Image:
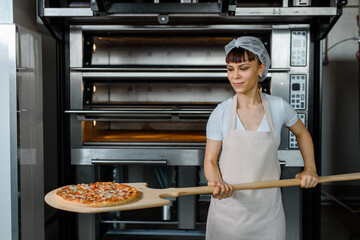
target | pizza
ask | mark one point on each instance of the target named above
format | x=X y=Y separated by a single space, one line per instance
x=99 y=194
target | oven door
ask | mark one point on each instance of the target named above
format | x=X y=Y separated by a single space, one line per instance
x=126 y=120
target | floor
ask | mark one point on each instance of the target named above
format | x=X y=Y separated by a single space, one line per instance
x=337 y=223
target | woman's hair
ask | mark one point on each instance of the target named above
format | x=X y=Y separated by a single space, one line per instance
x=239 y=55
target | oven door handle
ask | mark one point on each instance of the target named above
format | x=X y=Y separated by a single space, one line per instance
x=99 y=161
x=279 y=70
x=147 y=111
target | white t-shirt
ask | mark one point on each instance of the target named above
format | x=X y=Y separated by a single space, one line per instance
x=282 y=112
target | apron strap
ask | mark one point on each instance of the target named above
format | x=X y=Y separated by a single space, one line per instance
x=232 y=114
x=268 y=115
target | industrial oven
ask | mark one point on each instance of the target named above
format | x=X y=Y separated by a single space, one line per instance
x=139 y=105
x=138 y=85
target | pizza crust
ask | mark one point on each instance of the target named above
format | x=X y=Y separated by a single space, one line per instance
x=105 y=203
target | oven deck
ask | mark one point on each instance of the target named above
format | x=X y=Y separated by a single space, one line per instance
x=154 y=136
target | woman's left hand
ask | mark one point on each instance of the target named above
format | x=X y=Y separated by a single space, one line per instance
x=309 y=178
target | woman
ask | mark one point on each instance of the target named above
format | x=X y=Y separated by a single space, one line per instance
x=247 y=127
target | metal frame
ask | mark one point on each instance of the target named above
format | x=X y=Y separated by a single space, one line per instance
x=286 y=11
x=239 y=12
x=225 y=11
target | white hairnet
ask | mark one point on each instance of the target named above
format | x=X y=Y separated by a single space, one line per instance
x=253 y=45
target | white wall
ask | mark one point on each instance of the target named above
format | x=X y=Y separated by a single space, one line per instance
x=340 y=128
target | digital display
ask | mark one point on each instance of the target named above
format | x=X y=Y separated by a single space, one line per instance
x=295 y=87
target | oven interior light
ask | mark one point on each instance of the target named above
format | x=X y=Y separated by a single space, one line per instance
x=94 y=89
x=94 y=123
x=94 y=47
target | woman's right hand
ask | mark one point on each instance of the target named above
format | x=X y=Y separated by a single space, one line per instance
x=222 y=190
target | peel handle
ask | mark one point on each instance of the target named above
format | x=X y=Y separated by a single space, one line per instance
x=176 y=192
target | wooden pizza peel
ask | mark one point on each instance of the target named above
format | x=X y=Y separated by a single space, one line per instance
x=150 y=197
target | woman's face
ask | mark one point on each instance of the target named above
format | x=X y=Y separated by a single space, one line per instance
x=244 y=76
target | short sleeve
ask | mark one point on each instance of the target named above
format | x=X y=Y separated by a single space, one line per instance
x=290 y=115
x=213 y=127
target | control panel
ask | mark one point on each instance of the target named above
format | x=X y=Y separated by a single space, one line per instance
x=298 y=91
x=298 y=48
x=292 y=138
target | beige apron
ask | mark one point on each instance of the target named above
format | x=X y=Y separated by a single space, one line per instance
x=248 y=156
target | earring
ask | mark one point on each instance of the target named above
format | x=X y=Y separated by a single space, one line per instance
x=260 y=76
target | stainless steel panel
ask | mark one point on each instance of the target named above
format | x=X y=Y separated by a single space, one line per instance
x=76 y=132
x=269 y=11
x=68 y=12
x=187 y=204
x=187 y=28
x=76 y=47
x=76 y=90
x=156 y=75
x=140 y=69
x=137 y=111
x=292 y=158
x=160 y=155
x=292 y=205
x=29 y=85
x=174 y=157
x=86 y=223
x=128 y=161
x=280 y=85
x=280 y=47
x=286 y=11
x=9 y=225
